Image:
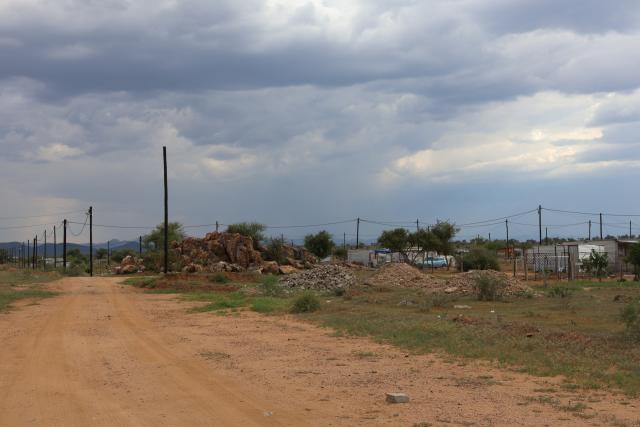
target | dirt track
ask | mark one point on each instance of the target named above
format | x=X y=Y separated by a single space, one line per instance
x=107 y=354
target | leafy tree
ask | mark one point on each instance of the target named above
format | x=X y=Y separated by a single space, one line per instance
x=596 y=264
x=444 y=232
x=101 y=253
x=396 y=240
x=480 y=258
x=319 y=244
x=119 y=254
x=633 y=258
x=4 y=256
x=255 y=230
x=154 y=241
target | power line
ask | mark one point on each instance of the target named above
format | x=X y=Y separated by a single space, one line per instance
x=591 y=213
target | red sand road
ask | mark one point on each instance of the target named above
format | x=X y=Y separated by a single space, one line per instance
x=106 y=354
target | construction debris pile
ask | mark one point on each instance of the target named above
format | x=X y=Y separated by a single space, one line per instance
x=465 y=283
x=400 y=275
x=321 y=278
x=405 y=276
x=235 y=252
x=130 y=265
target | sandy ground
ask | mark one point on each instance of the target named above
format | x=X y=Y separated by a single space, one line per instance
x=106 y=354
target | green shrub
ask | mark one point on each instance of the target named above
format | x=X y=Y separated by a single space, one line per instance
x=319 y=244
x=339 y=292
x=306 y=302
x=254 y=230
x=271 y=287
x=560 y=292
x=340 y=252
x=436 y=300
x=480 y=259
x=219 y=278
x=275 y=251
x=631 y=317
x=489 y=288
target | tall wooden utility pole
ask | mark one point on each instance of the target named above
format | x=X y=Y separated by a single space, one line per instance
x=91 y=241
x=166 y=213
x=358 y=233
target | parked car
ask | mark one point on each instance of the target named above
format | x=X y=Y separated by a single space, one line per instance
x=435 y=262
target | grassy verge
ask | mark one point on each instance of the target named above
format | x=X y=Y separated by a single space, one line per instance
x=579 y=336
x=574 y=330
x=23 y=284
x=219 y=294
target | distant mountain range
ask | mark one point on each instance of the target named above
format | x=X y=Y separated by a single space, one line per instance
x=84 y=248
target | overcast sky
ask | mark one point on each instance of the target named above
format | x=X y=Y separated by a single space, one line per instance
x=305 y=112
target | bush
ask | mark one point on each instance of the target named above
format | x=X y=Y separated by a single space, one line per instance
x=631 y=317
x=306 y=302
x=319 y=244
x=119 y=254
x=340 y=252
x=559 y=292
x=275 y=251
x=436 y=300
x=271 y=287
x=480 y=259
x=489 y=288
x=254 y=230
x=219 y=278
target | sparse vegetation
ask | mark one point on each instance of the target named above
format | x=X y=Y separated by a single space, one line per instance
x=631 y=317
x=271 y=287
x=255 y=230
x=274 y=251
x=489 y=288
x=307 y=302
x=23 y=284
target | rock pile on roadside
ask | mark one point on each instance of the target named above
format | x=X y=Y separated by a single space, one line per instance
x=401 y=275
x=321 y=278
x=130 y=265
x=221 y=251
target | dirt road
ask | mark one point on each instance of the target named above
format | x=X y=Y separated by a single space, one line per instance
x=102 y=353
x=89 y=357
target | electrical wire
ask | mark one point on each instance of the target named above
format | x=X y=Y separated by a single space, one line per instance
x=590 y=213
x=81 y=230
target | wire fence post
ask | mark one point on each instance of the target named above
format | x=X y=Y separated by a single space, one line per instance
x=55 y=249
x=64 y=245
x=34 y=266
x=44 y=259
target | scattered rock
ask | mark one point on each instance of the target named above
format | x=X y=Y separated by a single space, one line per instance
x=623 y=298
x=322 y=278
x=397 y=398
x=450 y=290
x=130 y=265
x=462 y=306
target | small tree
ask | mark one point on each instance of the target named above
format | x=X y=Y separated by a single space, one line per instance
x=275 y=251
x=254 y=230
x=101 y=253
x=596 y=264
x=319 y=244
x=444 y=233
x=4 y=256
x=633 y=258
x=480 y=259
x=340 y=252
x=154 y=241
x=119 y=254
x=396 y=240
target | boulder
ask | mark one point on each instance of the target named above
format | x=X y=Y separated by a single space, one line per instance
x=270 y=267
x=287 y=269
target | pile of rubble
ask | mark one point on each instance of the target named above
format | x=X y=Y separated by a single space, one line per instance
x=465 y=283
x=130 y=265
x=405 y=276
x=235 y=252
x=401 y=275
x=321 y=278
